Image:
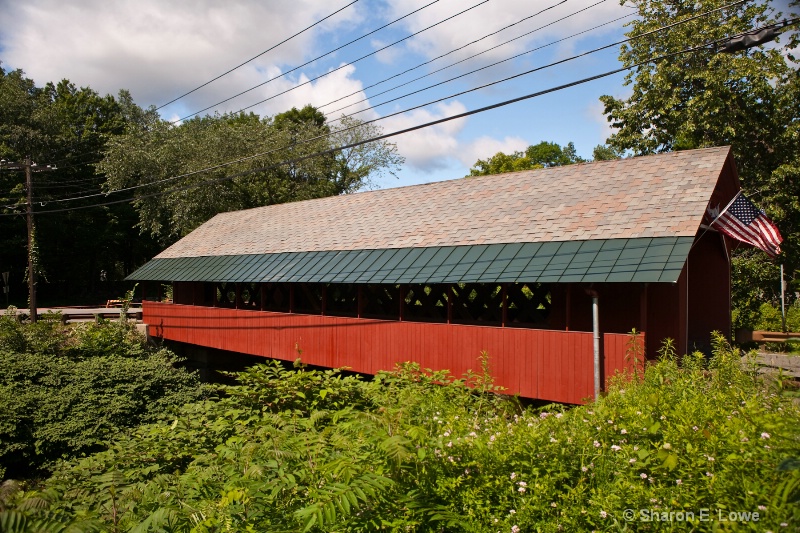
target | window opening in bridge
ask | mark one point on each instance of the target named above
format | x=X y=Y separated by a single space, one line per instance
x=226 y=294
x=528 y=304
x=380 y=301
x=426 y=303
x=475 y=303
x=341 y=299
x=276 y=297
x=250 y=296
x=308 y=298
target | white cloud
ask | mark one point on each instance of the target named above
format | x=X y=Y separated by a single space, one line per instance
x=497 y=14
x=389 y=55
x=484 y=147
x=338 y=83
x=594 y=112
x=158 y=50
x=430 y=148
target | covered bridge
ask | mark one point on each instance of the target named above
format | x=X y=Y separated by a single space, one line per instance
x=508 y=264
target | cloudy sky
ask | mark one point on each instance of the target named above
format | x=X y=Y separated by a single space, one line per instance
x=159 y=50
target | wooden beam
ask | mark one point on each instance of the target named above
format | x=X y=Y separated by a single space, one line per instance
x=504 y=303
x=450 y=295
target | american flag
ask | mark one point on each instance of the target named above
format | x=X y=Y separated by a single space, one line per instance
x=745 y=222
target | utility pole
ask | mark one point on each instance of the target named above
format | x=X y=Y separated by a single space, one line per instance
x=31 y=241
x=29 y=168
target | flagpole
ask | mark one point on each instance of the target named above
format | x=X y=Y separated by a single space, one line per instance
x=716 y=218
x=783 y=301
x=724 y=210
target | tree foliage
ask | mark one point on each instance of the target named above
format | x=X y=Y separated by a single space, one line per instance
x=415 y=450
x=66 y=126
x=603 y=152
x=542 y=155
x=747 y=100
x=66 y=391
x=182 y=175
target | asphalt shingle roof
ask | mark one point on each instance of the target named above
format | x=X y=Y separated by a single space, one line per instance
x=663 y=195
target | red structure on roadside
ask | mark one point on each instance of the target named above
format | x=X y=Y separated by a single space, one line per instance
x=437 y=273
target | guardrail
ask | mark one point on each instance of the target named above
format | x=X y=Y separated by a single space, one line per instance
x=760 y=336
x=77 y=314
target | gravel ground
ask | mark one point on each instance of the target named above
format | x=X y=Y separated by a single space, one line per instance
x=774 y=362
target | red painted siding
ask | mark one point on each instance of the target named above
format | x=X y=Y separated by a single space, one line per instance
x=619 y=354
x=543 y=364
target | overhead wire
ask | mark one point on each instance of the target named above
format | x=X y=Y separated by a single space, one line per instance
x=399 y=112
x=388 y=46
x=466 y=45
x=417 y=66
x=287 y=72
x=422 y=64
x=304 y=141
x=373 y=106
x=400 y=132
x=256 y=56
x=283 y=74
x=375 y=84
x=486 y=85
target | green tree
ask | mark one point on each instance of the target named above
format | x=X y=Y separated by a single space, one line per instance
x=183 y=175
x=68 y=126
x=542 y=155
x=747 y=100
x=549 y=154
x=603 y=152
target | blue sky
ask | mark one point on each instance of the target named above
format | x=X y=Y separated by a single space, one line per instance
x=159 y=50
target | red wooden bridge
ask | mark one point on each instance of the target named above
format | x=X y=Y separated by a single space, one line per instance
x=534 y=363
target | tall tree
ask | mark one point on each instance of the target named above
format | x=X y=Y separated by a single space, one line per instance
x=748 y=100
x=182 y=175
x=68 y=126
x=542 y=155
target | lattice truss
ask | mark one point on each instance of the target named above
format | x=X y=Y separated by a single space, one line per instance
x=511 y=303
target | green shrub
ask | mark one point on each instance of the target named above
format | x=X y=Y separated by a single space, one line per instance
x=768 y=318
x=66 y=390
x=415 y=450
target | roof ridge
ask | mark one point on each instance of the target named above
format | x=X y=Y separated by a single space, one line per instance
x=648 y=196
x=464 y=178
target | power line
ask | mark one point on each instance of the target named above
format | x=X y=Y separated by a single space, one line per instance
x=30 y=167
x=306 y=141
x=472 y=71
x=256 y=56
x=705 y=45
x=405 y=71
x=657 y=30
x=281 y=75
x=466 y=45
x=377 y=51
x=311 y=61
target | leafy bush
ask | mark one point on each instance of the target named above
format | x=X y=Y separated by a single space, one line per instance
x=415 y=450
x=768 y=318
x=66 y=390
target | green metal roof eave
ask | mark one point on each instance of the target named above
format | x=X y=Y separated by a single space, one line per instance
x=653 y=260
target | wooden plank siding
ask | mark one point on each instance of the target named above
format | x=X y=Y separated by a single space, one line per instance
x=534 y=363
